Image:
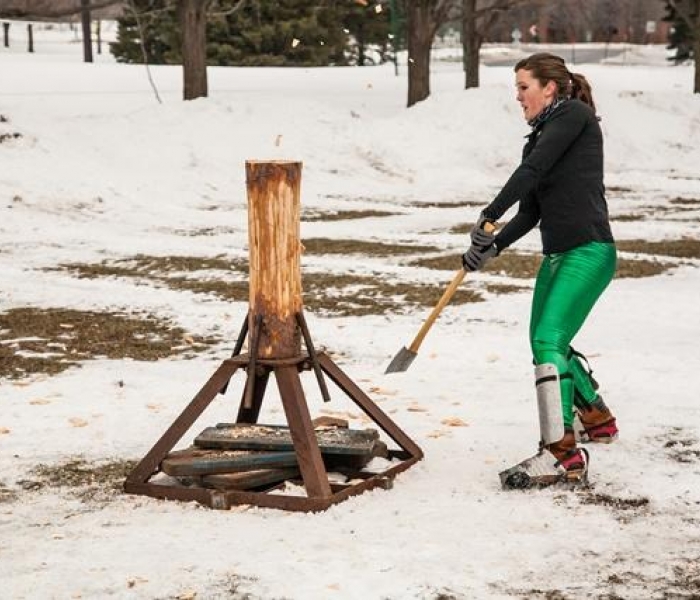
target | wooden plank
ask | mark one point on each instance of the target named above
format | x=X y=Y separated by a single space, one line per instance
x=249 y=479
x=197 y=461
x=244 y=436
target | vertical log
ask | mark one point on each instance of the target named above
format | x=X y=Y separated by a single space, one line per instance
x=6 y=34
x=30 y=38
x=274 y=216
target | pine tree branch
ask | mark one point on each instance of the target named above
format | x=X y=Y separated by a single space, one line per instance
x=224 y=13
x=692 y=20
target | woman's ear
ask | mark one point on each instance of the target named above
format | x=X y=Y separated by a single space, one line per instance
x=550 y=90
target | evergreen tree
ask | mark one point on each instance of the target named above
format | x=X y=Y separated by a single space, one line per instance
x=262 y=32
x=158 y=20
x=368 y=28
x=680 y=36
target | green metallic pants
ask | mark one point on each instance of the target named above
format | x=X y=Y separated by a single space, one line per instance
x=567 y=287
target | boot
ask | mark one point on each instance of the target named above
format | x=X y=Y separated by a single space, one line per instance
x=558 y=462
x=597 y=423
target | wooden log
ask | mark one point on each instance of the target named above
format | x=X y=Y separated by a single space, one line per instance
x=274 y=216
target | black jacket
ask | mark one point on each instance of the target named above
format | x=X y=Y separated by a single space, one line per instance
x=558 y=183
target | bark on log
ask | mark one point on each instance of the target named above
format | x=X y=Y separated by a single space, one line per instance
x=274 y=215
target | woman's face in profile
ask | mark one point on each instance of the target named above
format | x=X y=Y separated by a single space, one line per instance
x=533 y=98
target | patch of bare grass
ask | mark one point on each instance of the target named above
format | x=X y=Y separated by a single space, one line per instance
x=685 y=201
x=683 y=248
x=511 y=264
x=629 y=217
x=205 y=231
x=457 y=204
x=346 y=246
x=618 y=189
x=344 y=215
x=354 y=295
x=505 y=288
x=35 y=340
x=87 y=480
x=461 y=228
x=7 y=495
x=151 y=266
x=627 y=268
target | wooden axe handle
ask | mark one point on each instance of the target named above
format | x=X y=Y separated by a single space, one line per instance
x=444 y=301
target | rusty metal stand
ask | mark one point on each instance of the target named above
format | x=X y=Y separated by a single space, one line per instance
x=320 y=494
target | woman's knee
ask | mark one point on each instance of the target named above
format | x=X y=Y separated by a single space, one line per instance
x=546 y=350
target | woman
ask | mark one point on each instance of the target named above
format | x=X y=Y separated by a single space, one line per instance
x=559 y=184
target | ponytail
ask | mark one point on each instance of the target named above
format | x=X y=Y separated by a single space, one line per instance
x=581 y=89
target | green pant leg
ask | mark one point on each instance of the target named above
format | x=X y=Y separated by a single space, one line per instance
x=584 y=390
x=567 y=287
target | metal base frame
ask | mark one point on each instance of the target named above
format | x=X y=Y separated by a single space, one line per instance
x=320 y=493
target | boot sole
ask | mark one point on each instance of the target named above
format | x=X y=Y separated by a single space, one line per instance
x=601 y=439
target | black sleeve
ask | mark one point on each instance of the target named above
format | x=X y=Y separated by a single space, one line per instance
x=525 y=219
x=557 y=135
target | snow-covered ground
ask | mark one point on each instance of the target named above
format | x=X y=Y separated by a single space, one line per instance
x=101 y=170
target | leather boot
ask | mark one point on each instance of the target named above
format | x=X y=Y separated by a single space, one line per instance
x=599 y=424
x=559 y=462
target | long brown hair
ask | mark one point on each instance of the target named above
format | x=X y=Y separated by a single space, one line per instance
x=547 y=67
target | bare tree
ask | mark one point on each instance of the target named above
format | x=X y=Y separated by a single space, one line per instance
x=52 y=10
x=478 y=17
x=689 y=11
x=87 y=33
x=424 y=17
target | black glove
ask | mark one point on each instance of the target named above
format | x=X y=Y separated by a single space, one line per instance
x=479 y=236
x=476 y=257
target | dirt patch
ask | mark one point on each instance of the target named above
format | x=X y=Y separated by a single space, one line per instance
x=628 y=217
x=685 y=201
x=456 y=204
x=511 y=264
x=627 y=268
x=504 y=288
x=34 y=340
x=6 y=494
x=344 y=215
x=374 y=249
x=150 y=267
x=618 y=189
x=624 y=509
x=6 y=137
x=352 y=295
x=461 y=228
x=683 y=248
x=88 y=481
x=205 y=231
x=680 y=445
x=525 y=266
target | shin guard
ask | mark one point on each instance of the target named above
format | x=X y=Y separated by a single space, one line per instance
x=549 y=403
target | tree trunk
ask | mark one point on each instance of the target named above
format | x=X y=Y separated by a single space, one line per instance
x=87 y=35
x=30 y=37
x=696 y=53
x=421 y=30
x=98 y=34
x=471 y=43
x=6 y=34
x=274 y=216
x=193 y=25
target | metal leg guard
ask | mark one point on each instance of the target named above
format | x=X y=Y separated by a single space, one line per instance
x=549 y=403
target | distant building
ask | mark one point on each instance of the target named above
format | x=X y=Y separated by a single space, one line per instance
x=566 y=21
